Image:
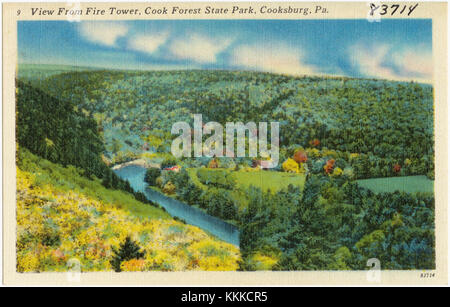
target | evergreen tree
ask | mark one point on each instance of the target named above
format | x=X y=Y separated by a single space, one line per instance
x=127 y=250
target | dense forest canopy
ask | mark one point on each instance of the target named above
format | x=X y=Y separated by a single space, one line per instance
x=57 y=131
x=388 y=121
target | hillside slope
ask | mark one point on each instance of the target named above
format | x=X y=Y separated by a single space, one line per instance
x=62 y=215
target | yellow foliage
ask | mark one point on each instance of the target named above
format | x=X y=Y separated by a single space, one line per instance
x=49 y=142
x=337 y=172
x=353 y=156
x=329 y=153
x=169 y=188
x=263 y=262
x=29 y=262
x=290 y=166
x=159 y=181
x=250 y=169
x=313 y=152
x=148 y=155
x=133 y=265
x=55 y=226
x=211 y=256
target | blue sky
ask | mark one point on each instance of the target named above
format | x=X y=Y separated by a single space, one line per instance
x=390 y=49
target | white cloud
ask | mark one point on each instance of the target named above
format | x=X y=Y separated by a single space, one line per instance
x=104 y=33
x=416 y=62
x=275 y=58
x=384 y=62
x=148 y=43
x=198 y=48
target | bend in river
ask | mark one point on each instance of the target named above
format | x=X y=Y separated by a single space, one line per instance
x=135 y=175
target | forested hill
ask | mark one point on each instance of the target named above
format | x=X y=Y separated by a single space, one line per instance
x=72 y=206
x=57 y=130
x=386 y=121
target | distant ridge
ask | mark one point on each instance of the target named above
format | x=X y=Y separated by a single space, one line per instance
x=30 y=71
x=38 y=71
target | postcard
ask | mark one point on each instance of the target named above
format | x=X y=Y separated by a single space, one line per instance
x=225 y=143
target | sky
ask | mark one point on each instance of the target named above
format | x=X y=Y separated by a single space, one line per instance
x=394 y=49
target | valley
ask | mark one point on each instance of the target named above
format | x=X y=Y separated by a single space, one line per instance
x=354 y=180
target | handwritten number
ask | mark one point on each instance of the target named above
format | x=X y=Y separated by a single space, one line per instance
x=373 y=8
x=412 y=8
x=396 y=8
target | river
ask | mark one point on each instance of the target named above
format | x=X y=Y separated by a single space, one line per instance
x=135 y=175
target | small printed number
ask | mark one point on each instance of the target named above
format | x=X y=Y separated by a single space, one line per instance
x=427 y=275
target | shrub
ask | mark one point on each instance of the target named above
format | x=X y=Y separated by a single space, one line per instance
x=337 y=172
x=290 y=166
x=133 y=265
x=348 y=172
x=314 y=142
x=213 y=164
x=226 y=162
x=317 y=166
x=217 y=178
x=169 y=188
x=329 y=166
x=300 y=156
x=341 y=258
x=159 y=182
x=166 y=176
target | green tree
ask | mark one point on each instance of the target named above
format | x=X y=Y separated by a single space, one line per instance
x=151 y=174
x=127 y=250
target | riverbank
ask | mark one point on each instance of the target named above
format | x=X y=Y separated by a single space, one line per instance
x=135 y=175
x=195 y=206
x=137 y=162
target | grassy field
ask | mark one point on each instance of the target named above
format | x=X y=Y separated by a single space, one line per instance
x=264 y=180
x=409 y=184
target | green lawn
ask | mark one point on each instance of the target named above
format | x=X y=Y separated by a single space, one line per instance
x=409 y=184
x=266 y=180
x=193 y=174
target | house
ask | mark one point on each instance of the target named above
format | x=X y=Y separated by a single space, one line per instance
x=175 y=168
